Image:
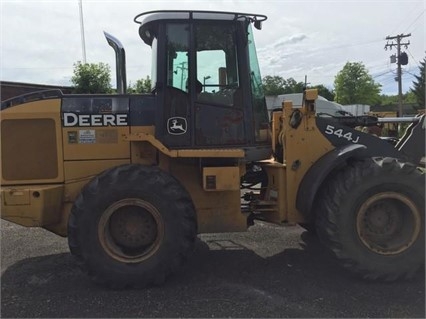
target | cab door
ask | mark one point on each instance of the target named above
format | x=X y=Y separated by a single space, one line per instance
x=207 y=86
x=219 y=106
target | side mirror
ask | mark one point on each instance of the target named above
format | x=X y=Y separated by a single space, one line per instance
x=258 y=24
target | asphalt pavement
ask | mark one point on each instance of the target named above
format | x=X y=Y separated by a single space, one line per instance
x=268 y=271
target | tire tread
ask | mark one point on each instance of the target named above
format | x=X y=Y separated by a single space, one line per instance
x=328 y=217
x=131 y=174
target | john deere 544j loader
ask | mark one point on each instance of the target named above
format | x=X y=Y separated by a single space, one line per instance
x=132 y=179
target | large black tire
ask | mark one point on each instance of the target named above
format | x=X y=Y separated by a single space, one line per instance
x=371 y=215
x=309 y=227
x=132 y=226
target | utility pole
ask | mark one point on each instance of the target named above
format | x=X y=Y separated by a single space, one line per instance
x=402 y=59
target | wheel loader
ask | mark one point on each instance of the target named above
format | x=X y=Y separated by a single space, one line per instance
x=131 y=179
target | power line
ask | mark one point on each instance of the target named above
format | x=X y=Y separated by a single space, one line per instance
x=327 y=48
x=406 y=18
x=415 y=20
x=381 y=74
x=413 y=58
x=411 y=73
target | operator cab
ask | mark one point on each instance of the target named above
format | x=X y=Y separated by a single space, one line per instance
x=206 y=75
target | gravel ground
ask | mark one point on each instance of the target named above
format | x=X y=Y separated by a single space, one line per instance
x=269 y=271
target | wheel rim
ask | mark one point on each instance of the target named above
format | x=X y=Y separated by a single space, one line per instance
x=388 y=223
x=131 y=230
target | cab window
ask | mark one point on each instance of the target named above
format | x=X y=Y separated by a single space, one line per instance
x=217 y=64
x=177 y=56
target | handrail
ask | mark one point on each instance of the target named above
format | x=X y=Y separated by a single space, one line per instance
x=254 y=17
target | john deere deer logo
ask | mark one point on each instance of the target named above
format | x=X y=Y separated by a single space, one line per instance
x=176 y=125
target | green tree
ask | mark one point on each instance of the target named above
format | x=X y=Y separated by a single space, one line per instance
x=419 y=86
x=408 y=97
x=292 y=86
x=354 y=85
x=388 y=99
x=273 y=85
x=276 y=85
x=143 y=85
x=91 y=78
x=324 y=92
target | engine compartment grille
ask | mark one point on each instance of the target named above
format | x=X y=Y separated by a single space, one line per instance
x=28 y=149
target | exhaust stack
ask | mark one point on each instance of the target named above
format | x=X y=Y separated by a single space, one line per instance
x=120 y=62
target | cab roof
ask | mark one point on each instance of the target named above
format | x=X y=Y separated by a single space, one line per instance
x=151 y=16
x=148 y=20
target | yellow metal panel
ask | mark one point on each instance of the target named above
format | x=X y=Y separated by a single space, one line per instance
x=221 y=178
x=29 y=149
x=216 y=211
x=215 y=153
x=95 y=143
x=276 y=125
x=304 y=145
x=311 y=94
x=35 y=109
x=79 y=173
x=277 y=191
x=16 y=197
x=143 y=153
x=60 y=228
x=32 y=112
x=223 y=214
x=44 y=206
x=75 y=170
x=148 y=137
x=143 y=129
x=238 y=153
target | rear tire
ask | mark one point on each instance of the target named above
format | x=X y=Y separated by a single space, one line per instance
x=132 y=226
x=309 y=227
x=371 y=215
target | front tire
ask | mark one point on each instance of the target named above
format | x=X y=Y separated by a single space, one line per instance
x=132 y=226
x=371 y=216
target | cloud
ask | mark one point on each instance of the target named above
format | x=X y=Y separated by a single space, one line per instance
x=40 y=40
x=293 y=39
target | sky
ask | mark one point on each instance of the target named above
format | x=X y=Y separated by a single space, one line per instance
x=41 y=40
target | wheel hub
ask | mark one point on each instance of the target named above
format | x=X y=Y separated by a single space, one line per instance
x=381 y=218
x=388 y=223
x=132 y=227
x=131 y=230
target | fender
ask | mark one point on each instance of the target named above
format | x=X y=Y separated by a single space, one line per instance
x=318 y=172
x=366 y=145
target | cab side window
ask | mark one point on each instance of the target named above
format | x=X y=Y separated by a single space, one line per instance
x=176 y=91
x=177 y=55
x=217 y=64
